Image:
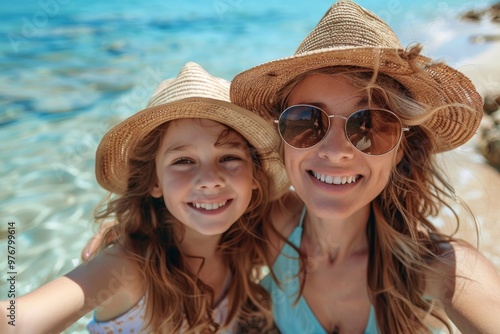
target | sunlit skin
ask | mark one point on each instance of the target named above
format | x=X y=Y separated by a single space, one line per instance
x=334 y=237
x=335 y=157
x=191 y=168
x=205 y=185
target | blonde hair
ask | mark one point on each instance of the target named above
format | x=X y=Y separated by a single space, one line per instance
x=404 y=244
x=174 y=294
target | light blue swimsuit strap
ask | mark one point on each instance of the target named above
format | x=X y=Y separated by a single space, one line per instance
x=290 y=317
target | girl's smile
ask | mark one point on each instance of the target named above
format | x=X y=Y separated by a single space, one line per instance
x=204 y=173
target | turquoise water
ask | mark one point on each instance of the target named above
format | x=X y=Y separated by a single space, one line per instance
x=70 y=70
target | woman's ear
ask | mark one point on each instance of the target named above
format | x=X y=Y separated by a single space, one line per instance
x=156 y=191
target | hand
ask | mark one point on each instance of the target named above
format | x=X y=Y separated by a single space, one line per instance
x=93 y=244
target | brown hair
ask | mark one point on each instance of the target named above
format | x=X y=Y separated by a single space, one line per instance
x=174 y=294
x=404 y=244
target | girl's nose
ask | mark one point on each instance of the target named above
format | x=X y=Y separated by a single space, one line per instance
x=210 y=177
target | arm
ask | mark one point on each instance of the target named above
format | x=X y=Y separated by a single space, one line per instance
x=59 y=303
x=472 y=299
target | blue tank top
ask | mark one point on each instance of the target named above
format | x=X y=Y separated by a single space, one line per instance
x=299 y=318
x=290 y=317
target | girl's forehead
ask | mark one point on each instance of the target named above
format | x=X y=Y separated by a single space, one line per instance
x=187 y=128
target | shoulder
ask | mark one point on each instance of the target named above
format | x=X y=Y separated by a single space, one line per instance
x=116 y=284
x=468 y=286
x=461 y=266
x=111 y=272
x=470 y=262
x=474 y=272
x=112 y=259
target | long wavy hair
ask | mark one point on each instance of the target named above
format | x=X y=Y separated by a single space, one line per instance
x=404 y=244
x=176 y=299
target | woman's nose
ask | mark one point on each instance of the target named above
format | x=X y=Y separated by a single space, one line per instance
x=335 y=146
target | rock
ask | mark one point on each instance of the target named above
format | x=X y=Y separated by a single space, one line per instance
x=495 y=18
x=489 y=142
x=491 y=12
x=472 y=15
x=490 y=105
x=496 y=7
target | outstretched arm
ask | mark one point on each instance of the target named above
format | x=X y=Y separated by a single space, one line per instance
x=59 y=303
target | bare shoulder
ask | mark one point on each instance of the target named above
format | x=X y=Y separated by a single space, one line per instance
x=468 y=286
x=113 y=266
x=461 y=266
x=119 y=285
x=472 y=263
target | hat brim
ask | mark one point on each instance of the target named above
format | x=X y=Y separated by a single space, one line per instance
x=436 y=85
x=115 y=147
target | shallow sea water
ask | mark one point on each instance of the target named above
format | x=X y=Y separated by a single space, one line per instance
x=71 y=70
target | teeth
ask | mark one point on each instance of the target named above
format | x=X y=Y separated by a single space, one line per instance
x=209 y=206
x=335 y=179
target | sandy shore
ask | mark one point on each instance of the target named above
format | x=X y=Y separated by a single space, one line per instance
x=484 y=70
x=477 y=182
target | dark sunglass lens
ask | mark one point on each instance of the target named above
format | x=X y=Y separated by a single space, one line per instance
x=373 y=131
x=303 y=126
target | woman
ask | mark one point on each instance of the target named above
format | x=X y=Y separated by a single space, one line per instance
x=361 y=254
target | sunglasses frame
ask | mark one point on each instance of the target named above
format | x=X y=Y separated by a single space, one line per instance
x=403 y=128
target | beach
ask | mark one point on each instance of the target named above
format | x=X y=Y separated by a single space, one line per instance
x=83 y=70
x=476 y=181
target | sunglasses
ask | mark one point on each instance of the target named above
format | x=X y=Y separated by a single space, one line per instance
x=371 y=131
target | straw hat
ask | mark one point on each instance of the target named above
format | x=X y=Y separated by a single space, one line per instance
x=194 y=93
x=349 y=35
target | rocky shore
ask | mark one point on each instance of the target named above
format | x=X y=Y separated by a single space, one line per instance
x=491 y=13
x=488 y=142
x=474 y=168
x=489 y=135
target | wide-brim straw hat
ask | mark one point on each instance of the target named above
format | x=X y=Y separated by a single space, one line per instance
x=194 y=93
x=349 y=35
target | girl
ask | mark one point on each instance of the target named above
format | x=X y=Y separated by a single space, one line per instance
x=192 y=176
x=361 y=254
